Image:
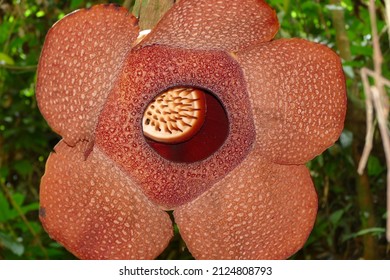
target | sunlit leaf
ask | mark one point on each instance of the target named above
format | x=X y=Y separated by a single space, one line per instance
x=8 y=242
x=346 y=138
x=361 y=50
x=334 y=7
x=6 y=59
x=373 y=231
x=348 y=70
x=74 y=4
x=40 y=14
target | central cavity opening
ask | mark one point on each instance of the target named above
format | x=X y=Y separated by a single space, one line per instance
x=185 y=124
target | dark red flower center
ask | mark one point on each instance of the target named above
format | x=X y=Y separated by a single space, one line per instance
x=185 y=124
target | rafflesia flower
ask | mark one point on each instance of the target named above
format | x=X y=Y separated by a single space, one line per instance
x=207 y=116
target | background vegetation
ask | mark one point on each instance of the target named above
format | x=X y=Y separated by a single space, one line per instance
x=352 y=210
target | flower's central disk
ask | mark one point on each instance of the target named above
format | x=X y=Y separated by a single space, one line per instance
x=185 y=124
x=175 y=115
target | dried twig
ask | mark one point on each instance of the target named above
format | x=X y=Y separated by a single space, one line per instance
x=369 y=122
x=387 y=16
x=382 y=121
x=19 y=68
x=365 y=73
x=376 y=99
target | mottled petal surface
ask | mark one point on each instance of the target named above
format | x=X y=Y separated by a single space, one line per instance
x=259 y=211
x=80 y=60
x=215 y=24
x=298 y=95
x=95 y=210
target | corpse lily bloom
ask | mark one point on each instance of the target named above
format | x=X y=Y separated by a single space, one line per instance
x=207 y=116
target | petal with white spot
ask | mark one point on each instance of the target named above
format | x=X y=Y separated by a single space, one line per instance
x=298 y=95
x=215 y=25
x=80 y=60
x=95 y=210
x=259 y=211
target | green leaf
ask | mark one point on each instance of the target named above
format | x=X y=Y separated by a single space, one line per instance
x=346 y=138
x=23 y=167
x=335 y=217
x=40 y=14
x=4 y=208
x=334 y=7
x=374 y=166
x=4 y=171
x=8 y=213
x=361 y=50
x=348 y=70
x=8 y=242
x=308 y=7
x=6 y=59
x=286 y=5
x=373 y=231
x=18 y=198
x=74 y=4
x=30 y=207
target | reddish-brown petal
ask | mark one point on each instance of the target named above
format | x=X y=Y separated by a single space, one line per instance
x=259 y=211
x=215 y=25
x=298 y=95
x=80 y=60
x=96 y=211
x=150 y=71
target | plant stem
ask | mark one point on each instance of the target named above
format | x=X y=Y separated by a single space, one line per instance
x=151 y=11
x=364 y=195
x=367 y=215
x=342 y=40
x=19 y=68
x=128 y=4
x=381 y=102
x=24 y=219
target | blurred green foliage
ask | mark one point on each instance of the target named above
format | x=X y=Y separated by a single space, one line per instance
x=347 y=227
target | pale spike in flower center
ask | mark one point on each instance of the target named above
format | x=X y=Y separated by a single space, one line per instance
x=175 y=115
